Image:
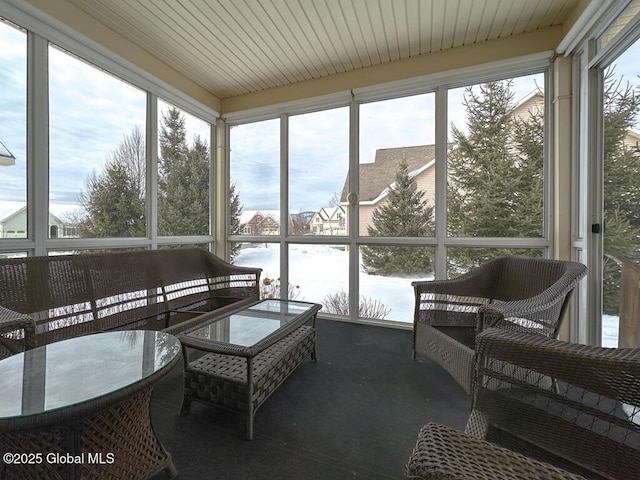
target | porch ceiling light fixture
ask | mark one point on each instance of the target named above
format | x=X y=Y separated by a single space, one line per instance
x=6 y=157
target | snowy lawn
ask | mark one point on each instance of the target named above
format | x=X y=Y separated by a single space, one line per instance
x=321 y=270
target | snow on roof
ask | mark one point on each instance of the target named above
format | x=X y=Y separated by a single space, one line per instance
x=10 y=208
x=6 y=157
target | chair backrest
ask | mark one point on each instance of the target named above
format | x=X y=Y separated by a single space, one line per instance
x=538 y=288
x=519 y=277
x=580 y=403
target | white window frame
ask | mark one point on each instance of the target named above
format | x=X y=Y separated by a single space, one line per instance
x=439 y=84
x=42 y=30
x=588 y=68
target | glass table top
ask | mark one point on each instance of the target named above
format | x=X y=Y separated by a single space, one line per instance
x=251 y=325
x=72 y=371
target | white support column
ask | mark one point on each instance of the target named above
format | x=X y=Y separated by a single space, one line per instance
x=219 y=181
x=562 y=192
x=354 y=209
x=284 y=206
x=37 y=142
x=152 y=169
x=440 y=267
x=561 y=160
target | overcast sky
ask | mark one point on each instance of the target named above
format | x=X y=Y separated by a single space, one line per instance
x=91 y=112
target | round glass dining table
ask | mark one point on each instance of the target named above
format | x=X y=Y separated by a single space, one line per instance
x=80 y=408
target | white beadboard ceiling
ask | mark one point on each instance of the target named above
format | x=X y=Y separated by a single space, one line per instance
x=234 y=47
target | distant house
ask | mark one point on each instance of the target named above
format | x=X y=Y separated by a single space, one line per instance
x=532 y=103
x=330 y=221
x=15 y=226
x=300 y=223
x=256 y=222
x=260 y=223
x=632 y=140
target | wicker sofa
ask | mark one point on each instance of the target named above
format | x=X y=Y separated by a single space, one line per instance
x=46 y=299
x=585 y=421
x=512 y=292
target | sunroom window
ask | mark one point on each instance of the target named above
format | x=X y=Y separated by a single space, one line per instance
x=97 y=161
x=13 y=131
x=385 y=191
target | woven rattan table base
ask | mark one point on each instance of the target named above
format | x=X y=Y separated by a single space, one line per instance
x=117 y=443
x=221 y=380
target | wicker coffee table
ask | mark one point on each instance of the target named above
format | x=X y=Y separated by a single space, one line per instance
x=236 y=361
x=79 y=408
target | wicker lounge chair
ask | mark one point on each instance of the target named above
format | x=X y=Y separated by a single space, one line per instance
x=514 y=293
x=587 y=421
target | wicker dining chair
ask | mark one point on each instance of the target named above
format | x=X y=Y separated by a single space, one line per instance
x=585 y=424
x=515 y=293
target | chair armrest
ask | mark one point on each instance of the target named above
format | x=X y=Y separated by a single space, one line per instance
x=540 y=314
x=442 y=452
x=450 y=302
x=454 y=302
x=569 y=399
x=612 y=372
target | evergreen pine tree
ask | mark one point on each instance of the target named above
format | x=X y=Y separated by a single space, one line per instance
x=114 y=200
x=183 y=180
x=621 y=187
x=171 y=165
x=495 y=186
x=235 y=212
x=405 y=214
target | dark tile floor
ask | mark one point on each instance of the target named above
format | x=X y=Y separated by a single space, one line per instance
x=355 y=413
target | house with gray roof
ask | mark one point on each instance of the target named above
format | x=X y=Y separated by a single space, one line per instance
x=330 y=221
x=376 y=178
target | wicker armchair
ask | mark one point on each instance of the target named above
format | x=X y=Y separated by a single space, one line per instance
x=17 y=332
x=514 y=293
x=587 y=421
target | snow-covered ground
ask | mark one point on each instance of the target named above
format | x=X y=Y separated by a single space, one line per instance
x=609 y=331
x=320 y=270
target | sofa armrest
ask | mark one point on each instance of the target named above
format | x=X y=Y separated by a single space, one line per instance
x=233 y=280
x=17 y=332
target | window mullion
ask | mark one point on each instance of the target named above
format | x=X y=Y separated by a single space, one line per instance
x=152 y=169
x=353 y=226
x=440 y=209
x=37 y=142
x=284 y=206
